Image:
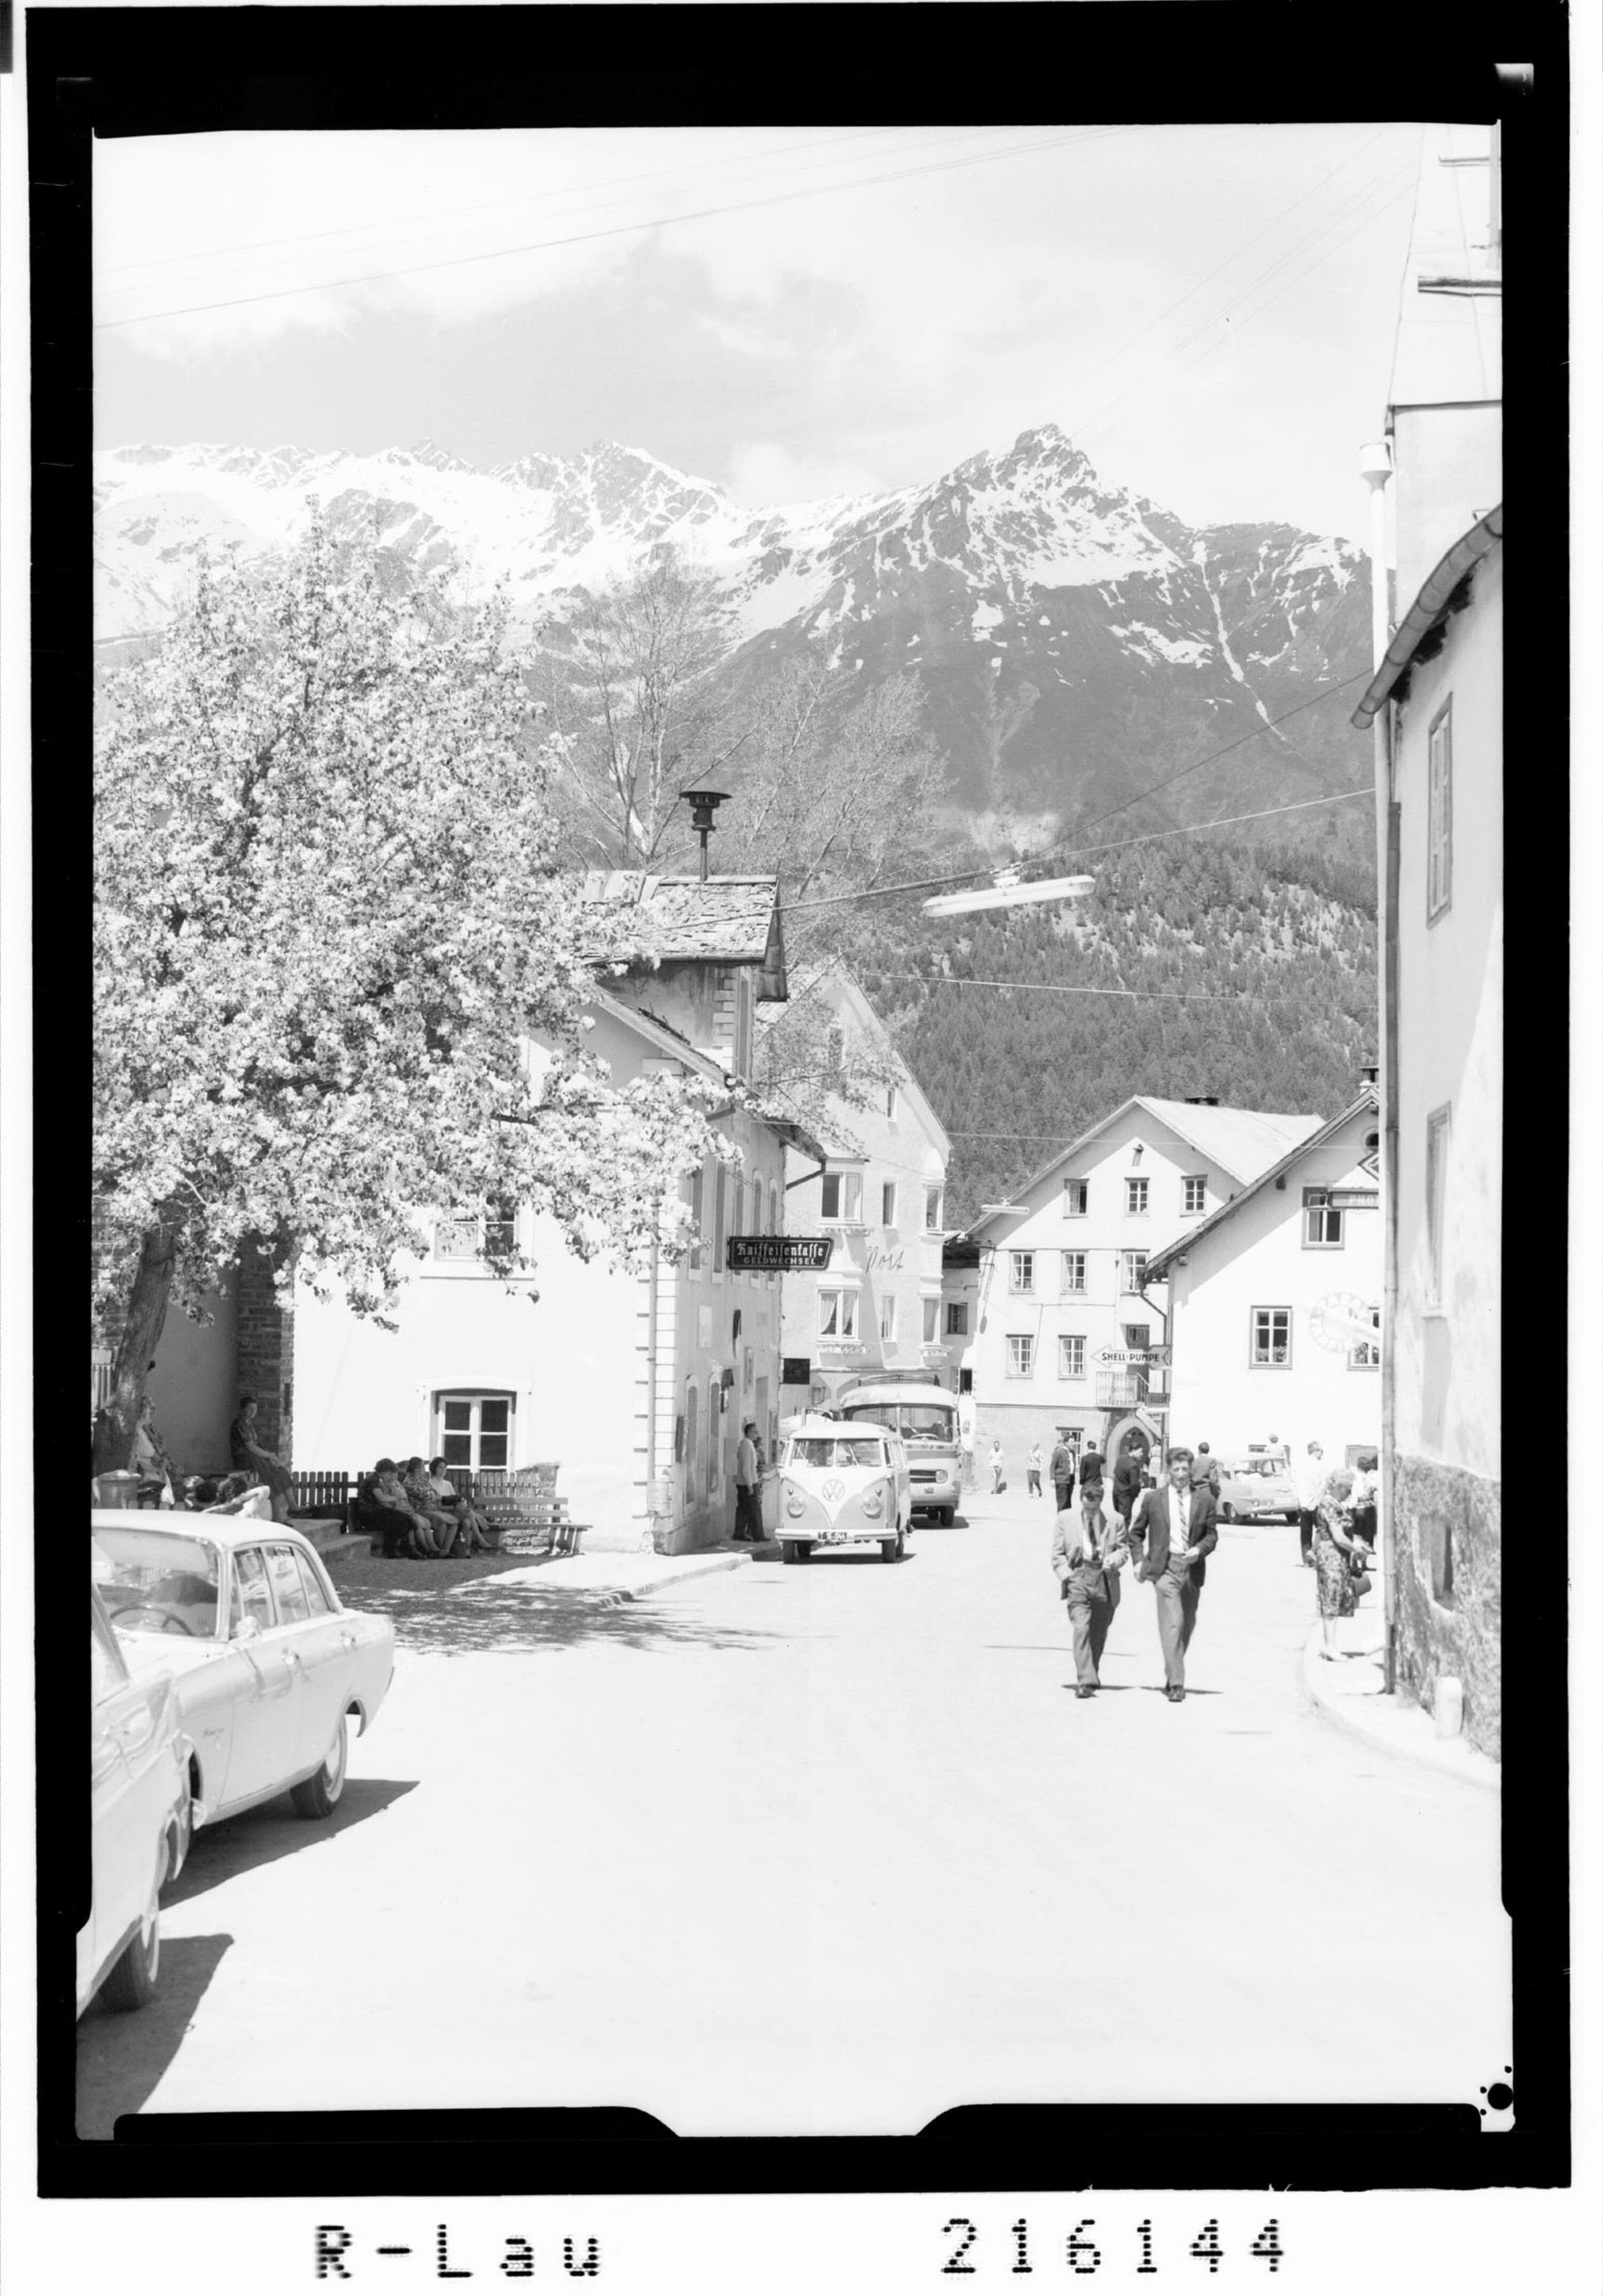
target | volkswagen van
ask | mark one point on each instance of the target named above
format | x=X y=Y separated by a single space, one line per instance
x=843 y=1486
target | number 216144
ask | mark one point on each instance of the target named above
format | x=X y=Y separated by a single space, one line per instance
x=1082 y=2253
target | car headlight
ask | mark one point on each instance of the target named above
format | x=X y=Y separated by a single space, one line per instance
x=795 y=1504
x=873 y=1502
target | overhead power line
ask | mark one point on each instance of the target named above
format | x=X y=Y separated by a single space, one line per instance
x=1075 y=988
x=608 y=231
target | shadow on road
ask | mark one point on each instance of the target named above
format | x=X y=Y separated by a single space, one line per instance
x=489 y=1619
x=260 y=1836
x=120 y=2059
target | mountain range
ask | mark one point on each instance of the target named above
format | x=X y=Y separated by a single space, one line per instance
x=1076 y=643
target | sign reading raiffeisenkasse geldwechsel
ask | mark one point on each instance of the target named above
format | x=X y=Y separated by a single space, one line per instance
x=791 y=1255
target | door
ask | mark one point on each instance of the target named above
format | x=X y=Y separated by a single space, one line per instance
x=263 y=1672
x=1138 y=1339
x=325 y=1642
x=132 y=1782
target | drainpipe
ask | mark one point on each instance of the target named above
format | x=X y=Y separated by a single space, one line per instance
x=1375 y=467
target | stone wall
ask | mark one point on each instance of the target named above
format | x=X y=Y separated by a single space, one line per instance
x=266 y=1354
x=1449 y=1543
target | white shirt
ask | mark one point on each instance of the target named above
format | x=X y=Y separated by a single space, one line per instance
x=745 y=1462
x=1310 y=1477
x=1179 y=1518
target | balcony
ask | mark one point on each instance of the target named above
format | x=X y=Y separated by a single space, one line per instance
x=1127 y=1390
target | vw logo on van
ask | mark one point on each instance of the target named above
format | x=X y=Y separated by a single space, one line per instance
x=832 y=1492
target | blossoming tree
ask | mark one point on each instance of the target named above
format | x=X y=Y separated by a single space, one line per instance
x=338 y=980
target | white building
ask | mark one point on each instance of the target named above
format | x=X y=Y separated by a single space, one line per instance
x=1060 y=1316
x=881 y=1197
x=1437 y=704
x=1274 y=1302
x=636 y=1384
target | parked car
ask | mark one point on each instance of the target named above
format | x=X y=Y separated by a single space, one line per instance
x=841 y=1487
x=1258 y=1487
x=139 y=1819
x=268 y=1662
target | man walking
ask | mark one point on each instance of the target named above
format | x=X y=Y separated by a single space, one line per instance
x=1087 y=1557
x=1177 y=1527
x=1061 y=1468
x=749 y=1485
x=1127 y=1479
x=1207 y=1469
x=1311 y=1479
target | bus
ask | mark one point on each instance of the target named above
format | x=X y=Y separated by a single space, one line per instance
x=925 y=1416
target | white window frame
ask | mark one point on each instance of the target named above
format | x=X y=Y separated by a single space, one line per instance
x=475 y=1398
x=1319 y=1211
x=933 y=1205
x=1138 y=1194
x=1071 y=1355
x=1071 y=1209
x=1189 y=1182
x=1438 y=1142
x=845 y=1321
x=891 y=1097
x=957 y=1319
x=887 y=1204
x=466 y=1236
x=1067 y=1261
x=1438 y=852
x=1021 y=1355
x=930 y=1318
x=848 y=1195
x=1365 y=1355
x=1131 y=1278
x=1261 y=1355
x=887 y=1316
x=1021 y=1274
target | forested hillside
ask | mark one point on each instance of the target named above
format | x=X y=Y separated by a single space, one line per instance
x=1268 y=954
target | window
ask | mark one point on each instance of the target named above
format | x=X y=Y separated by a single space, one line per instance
x=1135 y=1196
x=1321 y=1221
x=887 y=1204
x=1071 y=1274
x=890 y=1102
x=957 y=1319
x=837 y=1054
x=698 y=1191
x=773 y=1208
x=252 y=1599
x=1071 y=1356
x=1438 y=1133
x=1270 y=1336
x=837 y=1315
x=1021 y=1354
x=289 y=1591
x=842 y=1196
x=1134 y=1270
x=1366 y=1355
x=1076 y=1196
x=932 y=1211
x=470 y=1237
x=1021 y=1271
x=318 y=1605
x=1193 y=1193
x=887 y=1317
x=474 y=1430
x=107 y=1669
x=1438 y=892
x=932 y=1322
x=720 y=1216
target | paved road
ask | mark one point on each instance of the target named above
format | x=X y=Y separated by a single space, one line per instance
x=833 y=1850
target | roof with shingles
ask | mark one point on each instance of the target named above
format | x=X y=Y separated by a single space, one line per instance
x=727 y=918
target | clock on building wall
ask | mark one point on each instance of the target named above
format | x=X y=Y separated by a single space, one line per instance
x=1342 y=1320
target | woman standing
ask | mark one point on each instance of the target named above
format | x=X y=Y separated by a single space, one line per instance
x=1335 y=1554
x=995 y=1464
x=250 y=1456
x=1031 y=1468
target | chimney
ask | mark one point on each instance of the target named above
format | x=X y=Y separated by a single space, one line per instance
x=1370 y=1074
x=1202 y=1100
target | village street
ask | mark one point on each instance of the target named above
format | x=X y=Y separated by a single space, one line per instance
x=832 y=1849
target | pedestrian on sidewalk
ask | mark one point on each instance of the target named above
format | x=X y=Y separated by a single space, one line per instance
x=1031 y=1468
x=1173 y=1532
x=1061 y=1468
x=1337 y=1557
x=1088 y=1555
x=1091 y=1468
x=749 y=1485
x=1207 y=1469
x=996 y=1476
x=1310 y=1482
x=1127 y=1478
x=1365 y=1490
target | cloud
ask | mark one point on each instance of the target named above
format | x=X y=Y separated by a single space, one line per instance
x=762 y=473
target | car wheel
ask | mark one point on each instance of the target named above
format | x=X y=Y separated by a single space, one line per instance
x=947 y=1516
x=315 y=1796
x=889 y=1548
x=797 y=1550
x=131 y=1980
x=901 y=1545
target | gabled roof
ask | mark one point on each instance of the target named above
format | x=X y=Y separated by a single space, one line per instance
x=668 y=1039
x=839 y=977
x=718 y=920
x=1159 y=1262
x=1240 y=1141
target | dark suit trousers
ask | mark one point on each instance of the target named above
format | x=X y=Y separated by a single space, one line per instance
x=1176 y=1619
x=1066 y=1492
x=1092 y=1598
x=749 y=1513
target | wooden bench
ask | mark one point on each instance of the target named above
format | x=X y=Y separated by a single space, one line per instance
x=326 y=1494
x=524 y=1514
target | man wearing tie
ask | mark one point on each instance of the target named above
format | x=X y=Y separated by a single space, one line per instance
x=1087 y=1557
x=1179 y=1530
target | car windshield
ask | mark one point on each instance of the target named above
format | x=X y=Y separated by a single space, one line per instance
x=920 y=1422
x=836 y=1451
x=156 y=1582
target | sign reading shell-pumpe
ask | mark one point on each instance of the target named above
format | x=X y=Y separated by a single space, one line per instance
x=790 y=1254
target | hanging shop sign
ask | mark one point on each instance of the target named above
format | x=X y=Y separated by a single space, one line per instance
x=791 y=1255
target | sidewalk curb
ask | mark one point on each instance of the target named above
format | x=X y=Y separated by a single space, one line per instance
x=1392 y=1724
x=552 y=1580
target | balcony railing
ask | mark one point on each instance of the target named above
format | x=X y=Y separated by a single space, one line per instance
x=1125 y=1391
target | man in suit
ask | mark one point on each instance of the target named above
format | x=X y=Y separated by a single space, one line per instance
x=1087 y=1557
x=1127 y=1478
x=1061 y=1468
x=1174 y=1528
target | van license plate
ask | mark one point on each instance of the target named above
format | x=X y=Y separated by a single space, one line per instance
x=834 y=1538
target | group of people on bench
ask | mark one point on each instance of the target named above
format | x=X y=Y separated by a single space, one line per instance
x=418 y=1511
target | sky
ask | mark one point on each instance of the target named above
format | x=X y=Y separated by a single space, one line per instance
x=1209 y=312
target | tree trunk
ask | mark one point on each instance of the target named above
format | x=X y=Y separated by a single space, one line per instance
x=116 y=1426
